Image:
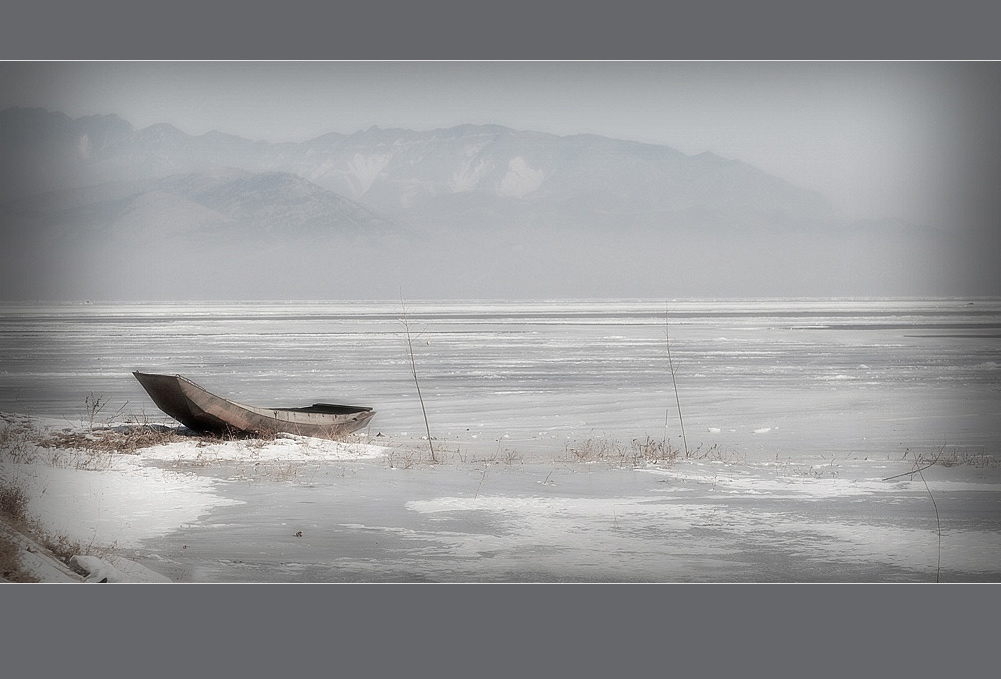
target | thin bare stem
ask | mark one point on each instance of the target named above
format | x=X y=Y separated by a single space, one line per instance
x=938 y=520
x=417 y=383
x=674 y=381
x=912 y=472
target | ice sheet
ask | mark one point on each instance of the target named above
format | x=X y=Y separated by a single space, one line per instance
x=793 y=378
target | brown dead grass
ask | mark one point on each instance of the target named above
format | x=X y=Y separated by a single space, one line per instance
x=13 y=512
x=11 y=568
x=637 y=453
x=13 y=502
x=127 y=439
x=641 y=452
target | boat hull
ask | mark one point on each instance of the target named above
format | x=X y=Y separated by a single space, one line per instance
x=200 y=410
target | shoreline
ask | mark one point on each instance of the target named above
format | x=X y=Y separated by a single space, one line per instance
x=229 y=511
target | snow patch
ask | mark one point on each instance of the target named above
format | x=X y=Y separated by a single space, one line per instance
x=520 y=179
x=120 y=505
x=469 y=176
x=364 y=170
x=286 y=448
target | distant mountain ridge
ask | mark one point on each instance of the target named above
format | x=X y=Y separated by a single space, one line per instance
x=428 y=175
x=95 y=207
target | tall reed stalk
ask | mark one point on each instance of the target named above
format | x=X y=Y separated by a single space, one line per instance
x=417 y=382
x=674 y=381
x=919 y=468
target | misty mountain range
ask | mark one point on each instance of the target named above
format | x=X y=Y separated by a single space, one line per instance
x=473 y=210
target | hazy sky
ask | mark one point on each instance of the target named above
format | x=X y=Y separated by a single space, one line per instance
x=878 y=139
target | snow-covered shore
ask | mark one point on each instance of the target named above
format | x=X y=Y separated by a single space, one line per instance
x=297 y=509
x=109 y=501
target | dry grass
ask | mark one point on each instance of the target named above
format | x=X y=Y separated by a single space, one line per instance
x=653 y=451
x=97 y=449
x=407 y=457
x=15 y=446
x=13 y=513
x=23 y=442
x=715 y=453
x=17 y=439
x=638 y=453
x=595 y=449
x=507 y=456
x=641 y=452
x=21 y=439
x=11 y=569
x=955 y=458
x=126 y=439
x=13 y=502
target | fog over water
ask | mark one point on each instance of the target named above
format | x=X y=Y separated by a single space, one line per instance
x=498 y=180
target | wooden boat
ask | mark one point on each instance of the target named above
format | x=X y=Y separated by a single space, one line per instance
x=203 y=411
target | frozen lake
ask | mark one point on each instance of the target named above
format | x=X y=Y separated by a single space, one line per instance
x=794 y=379
x=814 y=410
